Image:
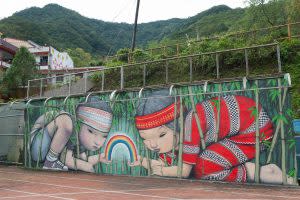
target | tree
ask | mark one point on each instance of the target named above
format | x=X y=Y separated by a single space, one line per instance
x=293 y=8
x=23 y=68
x=267 y=11
x=80 y=57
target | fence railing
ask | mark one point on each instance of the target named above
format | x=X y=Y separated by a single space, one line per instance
x=289 y=31
x=140 y=74
x=262 y=93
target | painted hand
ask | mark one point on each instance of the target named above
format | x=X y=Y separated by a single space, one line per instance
x=138 y=162
x=103 y=159
x=156 y=167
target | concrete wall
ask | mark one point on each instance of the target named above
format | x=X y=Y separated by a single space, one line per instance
x=11 y=132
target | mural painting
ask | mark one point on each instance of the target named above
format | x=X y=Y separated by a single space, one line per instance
x=218 y=132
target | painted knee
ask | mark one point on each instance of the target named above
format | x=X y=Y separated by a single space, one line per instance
x=65 y=123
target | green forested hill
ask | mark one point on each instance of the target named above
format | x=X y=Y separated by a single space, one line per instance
x=64 y=28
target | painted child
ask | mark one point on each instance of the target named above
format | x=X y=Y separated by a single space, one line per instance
x=227 y=159
x=50 y=135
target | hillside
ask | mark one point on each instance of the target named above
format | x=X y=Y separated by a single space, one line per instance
x=64 y=28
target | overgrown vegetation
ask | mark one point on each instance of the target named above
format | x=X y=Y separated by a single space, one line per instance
x=23 y=68
x=86 y=39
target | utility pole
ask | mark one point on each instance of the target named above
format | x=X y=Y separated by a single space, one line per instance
x=135 y=25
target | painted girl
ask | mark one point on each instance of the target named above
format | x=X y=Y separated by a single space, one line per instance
x=227 y=159
x=51 y=134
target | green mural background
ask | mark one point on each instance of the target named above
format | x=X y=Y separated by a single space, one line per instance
x=270 y=92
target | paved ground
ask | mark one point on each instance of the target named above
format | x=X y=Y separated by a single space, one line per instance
x=18 y=183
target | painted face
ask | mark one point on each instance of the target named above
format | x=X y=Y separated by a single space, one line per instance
x=159 y=139
x=91 y=138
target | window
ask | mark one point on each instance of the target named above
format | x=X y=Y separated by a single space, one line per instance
x=44 y=60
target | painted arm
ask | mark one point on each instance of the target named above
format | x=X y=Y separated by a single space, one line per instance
x=75 y=163
x=171 y=171
x=94 y=159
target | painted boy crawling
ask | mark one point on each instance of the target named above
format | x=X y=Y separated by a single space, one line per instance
x=50 y=135
x=227 y=159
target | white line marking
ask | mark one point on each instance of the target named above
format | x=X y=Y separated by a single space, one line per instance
x=71 y=178
x=95 y=190
x=202 y=188
x=32 y=194
x=244 y=193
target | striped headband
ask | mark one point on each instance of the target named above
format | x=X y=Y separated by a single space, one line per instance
x=158 y=118
x=95 y=118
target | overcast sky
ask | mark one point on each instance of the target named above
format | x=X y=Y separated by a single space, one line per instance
x=123 y=10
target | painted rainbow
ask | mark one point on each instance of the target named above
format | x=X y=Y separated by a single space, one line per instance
x=121 y=139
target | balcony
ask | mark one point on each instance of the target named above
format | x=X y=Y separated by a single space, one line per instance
x=4 y=64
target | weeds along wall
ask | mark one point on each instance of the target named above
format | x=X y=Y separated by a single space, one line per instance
x=235 y=131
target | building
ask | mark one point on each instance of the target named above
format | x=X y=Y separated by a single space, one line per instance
x=7 y=52
x=47 y=57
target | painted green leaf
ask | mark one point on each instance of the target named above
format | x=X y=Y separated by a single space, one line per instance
x=292 y=173
x=292 y=143
x=254 y=111
x=267 y=143
x=274 y=94
x=289 y=112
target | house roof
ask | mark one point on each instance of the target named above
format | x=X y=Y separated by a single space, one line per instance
x=6 y=46
x=18 y=43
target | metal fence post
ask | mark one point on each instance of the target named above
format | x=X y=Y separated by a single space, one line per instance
x=69 y=84
x=144 y=75
x=289 y=30
x=41 y=88
x=28 y=88
x=102 y=81
x=85 y=81
x=218 y=66
x=167 y=72
x=247 y=63
x=191 y=68
x=122 y=78
x=278 y=58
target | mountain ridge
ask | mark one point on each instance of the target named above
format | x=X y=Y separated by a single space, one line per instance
x=64 y=28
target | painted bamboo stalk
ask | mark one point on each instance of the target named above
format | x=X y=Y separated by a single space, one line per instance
x=148 y=161
x=116 y=167
x=174 y=130
x=77 y=138
x=283 y=149
x=100 y=171
x=106 y=168
x=257 y=136
x=195 y=113
x=122 y=165
x=277 y=129
x=43 y=129
x=219 y=110
x=296 y=169
x=179 y=164
x=111 y=167
x=25 y=146
x=28 y=140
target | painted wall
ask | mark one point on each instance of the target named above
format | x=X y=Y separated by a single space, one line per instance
x=60 y=60
x=216 y=132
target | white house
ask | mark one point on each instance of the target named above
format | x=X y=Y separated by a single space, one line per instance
x=47 y=57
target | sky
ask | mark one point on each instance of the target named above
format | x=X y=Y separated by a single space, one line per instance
x=123 y=10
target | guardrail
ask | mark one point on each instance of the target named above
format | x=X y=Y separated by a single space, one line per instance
x=123 y=75
x=176 y=49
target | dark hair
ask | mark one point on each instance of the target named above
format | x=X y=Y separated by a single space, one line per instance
x=96 y=102
x=156 y=101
